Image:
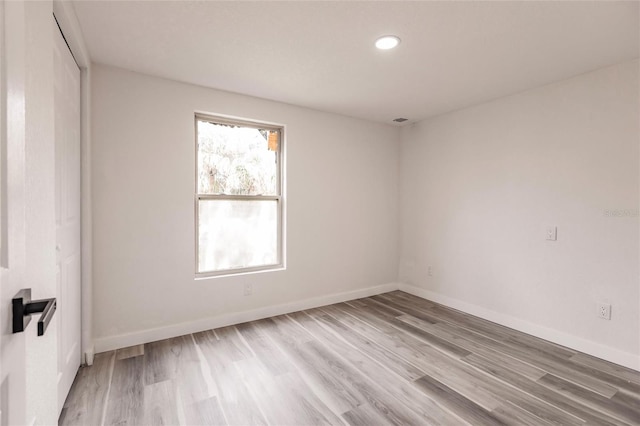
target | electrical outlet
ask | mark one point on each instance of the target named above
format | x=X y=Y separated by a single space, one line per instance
x=248 y=289
x=430 y=270
x=552 y=233
x=604 y=311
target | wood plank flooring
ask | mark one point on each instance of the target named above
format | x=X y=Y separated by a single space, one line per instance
x=387 y=359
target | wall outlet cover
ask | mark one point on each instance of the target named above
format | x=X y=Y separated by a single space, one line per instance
x=604 y=311
x=248 y=289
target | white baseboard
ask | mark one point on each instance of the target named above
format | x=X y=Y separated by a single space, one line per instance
x=598 y=350
x=151 y=335
x=577 y=343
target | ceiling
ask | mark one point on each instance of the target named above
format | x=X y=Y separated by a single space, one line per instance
x=321 y=55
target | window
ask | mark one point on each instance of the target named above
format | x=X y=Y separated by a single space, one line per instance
x=238 y=196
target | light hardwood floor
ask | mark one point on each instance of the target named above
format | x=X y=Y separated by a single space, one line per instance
x=388 y=359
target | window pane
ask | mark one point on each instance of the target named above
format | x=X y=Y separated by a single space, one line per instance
x=237 y=234
x=236 y=160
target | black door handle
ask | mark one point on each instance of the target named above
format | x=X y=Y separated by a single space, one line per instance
x=23 y=307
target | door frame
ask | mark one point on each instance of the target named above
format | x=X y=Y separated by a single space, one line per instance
x=68 y=22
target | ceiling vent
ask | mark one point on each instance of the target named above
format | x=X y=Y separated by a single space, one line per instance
x=400 y=120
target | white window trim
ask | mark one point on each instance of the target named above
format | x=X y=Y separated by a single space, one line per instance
x=279 y=197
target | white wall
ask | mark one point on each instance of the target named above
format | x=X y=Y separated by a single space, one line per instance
x=341 y=225
x=478 y=187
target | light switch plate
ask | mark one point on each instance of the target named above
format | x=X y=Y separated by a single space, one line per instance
x=552 y=233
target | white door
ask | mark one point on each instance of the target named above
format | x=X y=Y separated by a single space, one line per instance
x=68 y=249
x=27 y=228
x=12 y=239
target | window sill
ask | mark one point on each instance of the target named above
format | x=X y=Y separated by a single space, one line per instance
x=238 y=272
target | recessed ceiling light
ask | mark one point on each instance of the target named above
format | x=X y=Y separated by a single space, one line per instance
x=387 y=42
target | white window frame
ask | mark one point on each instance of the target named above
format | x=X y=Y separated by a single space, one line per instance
x=279 y=197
